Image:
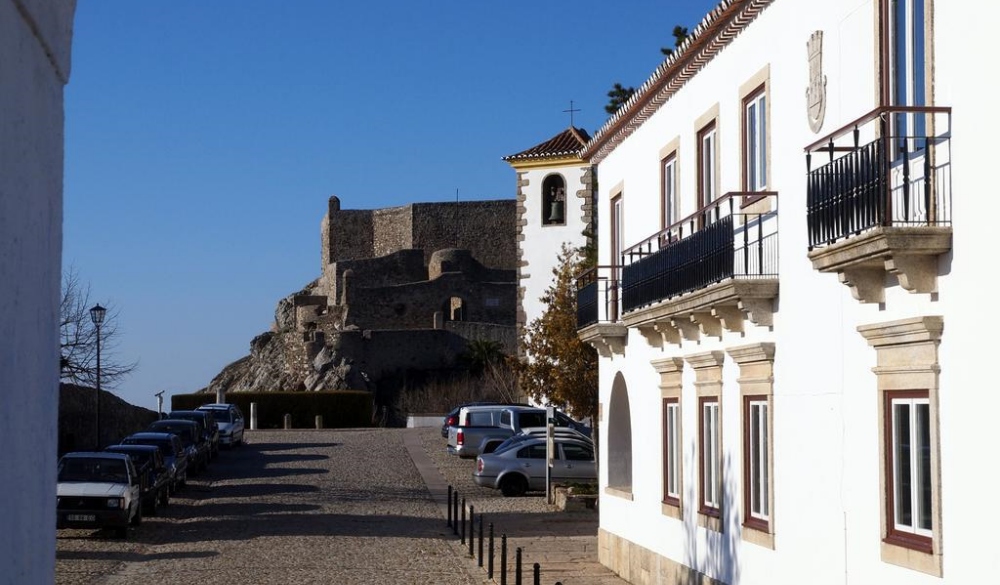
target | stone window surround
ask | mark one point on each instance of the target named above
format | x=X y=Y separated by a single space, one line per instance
x=759 y=83
x=707 y=368
x=709 y=121
x=671 y=385
x=907 y=359
x=756 y=378
x=670 y=152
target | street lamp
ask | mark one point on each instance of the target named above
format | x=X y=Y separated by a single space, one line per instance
x=97 y=316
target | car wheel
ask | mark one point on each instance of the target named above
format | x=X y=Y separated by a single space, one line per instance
x=137 y=519
x=513 y=485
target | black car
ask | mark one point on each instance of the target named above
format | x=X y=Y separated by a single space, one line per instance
x=152 y=470
x=191 y=435
x=209 y=424
x=175 y=456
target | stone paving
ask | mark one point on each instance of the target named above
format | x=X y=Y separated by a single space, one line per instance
x=333 y=507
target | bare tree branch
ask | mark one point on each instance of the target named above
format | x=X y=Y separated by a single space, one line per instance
x=78 y=338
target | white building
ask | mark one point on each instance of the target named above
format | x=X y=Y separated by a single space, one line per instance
x=555 y=205
x=35 y=37
x=787 y=342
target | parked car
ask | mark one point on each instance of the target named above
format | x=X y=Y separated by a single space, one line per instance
x=210 y=428
x=493 y=444
x=152 y=469
x=230 y=420
x=451 y=419
x=175 y=455
x=98 y=490
x=191 y=435
x=478 y=423
x=520 y=467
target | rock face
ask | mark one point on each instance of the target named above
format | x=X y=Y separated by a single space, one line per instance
x=396 y=297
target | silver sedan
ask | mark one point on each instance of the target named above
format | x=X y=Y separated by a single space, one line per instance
x=521 y=466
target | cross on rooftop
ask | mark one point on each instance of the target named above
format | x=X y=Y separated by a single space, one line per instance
x=571 y=110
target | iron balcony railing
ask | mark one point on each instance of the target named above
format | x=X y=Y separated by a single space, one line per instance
x=735 y=236
x=597 y=296
x=891 y=167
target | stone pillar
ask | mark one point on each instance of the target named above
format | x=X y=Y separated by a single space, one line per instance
x=253 y=416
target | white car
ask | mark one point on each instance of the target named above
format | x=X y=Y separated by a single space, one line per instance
x=98 y=490
x=519 y=466
x=230 y=420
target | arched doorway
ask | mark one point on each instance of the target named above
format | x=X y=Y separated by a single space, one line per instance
x=619 y=437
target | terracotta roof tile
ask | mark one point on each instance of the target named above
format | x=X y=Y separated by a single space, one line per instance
x=568 y=142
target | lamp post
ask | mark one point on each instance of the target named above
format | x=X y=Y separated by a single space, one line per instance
x=97 y=316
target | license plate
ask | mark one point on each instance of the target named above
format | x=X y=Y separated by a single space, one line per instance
x=81 y=517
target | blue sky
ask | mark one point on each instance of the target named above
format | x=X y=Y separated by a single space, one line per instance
x=204 y=138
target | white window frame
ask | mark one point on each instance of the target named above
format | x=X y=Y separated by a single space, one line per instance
x=755 y=120
x=668 y=195
x=758 y=450
x=908 y=69
x=707 y=178
x=919 y=473
x=711 y=492
x=672 y=447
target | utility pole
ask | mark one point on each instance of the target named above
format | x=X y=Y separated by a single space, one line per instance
x=159 y=402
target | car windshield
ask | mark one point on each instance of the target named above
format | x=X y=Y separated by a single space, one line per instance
x=166 y=447
x=221 y=416
x=98 y=470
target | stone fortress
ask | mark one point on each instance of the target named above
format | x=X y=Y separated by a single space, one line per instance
x=401 y=292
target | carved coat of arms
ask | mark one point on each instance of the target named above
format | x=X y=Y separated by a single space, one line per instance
x=816 y=92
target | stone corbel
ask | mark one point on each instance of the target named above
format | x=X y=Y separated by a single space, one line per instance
x=660 y=333
x=688 y=329
x=916 y=273
x=653 y=337
x=867 y=284
x=707 y=324
x=758 y=311
x=730 y=317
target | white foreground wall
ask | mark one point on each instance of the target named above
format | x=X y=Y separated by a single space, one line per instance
x=35 y=38
x=827 y=498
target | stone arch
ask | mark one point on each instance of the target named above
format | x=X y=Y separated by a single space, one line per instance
x=619 y=437
x=454 y=308
x=554 y=200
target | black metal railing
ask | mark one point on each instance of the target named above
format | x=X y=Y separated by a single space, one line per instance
x=733 y=237
x=597 y=296
x=894 y=178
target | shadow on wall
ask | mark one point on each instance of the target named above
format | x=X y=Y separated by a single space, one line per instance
x=711 y=552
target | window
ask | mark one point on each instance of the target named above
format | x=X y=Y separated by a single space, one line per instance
x=755 y=138
x=574 y=452
x=668 y=191
x=533 y=452
x=756 y=451
x=707 y=183
x=617 y=247
x=908 y=69
x=709 y=472
x=671 y=451
x=908 y=469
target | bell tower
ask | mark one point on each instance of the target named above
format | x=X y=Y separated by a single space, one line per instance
x=555 y=205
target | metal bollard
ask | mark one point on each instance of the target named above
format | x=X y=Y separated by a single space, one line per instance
x=449 y=506
x=253 y=416
x=489 y=570
x=503 y=559
x=319 y=421
x=480 y=540
x=454 y=507
x=288 y=421
x=517 y=566
x=463 y=520
x=472 y=536
x=538 y=575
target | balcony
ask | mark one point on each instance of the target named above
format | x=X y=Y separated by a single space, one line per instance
x=709 y=273
x=880 y=207
x=598 y=295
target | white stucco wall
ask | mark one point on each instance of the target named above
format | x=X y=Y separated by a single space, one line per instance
x=35 y=38
x=825 y=404
x=542 y=243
